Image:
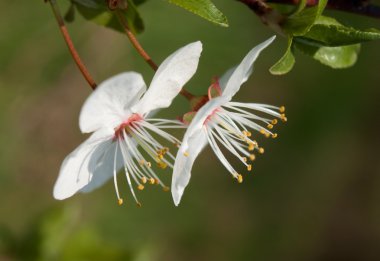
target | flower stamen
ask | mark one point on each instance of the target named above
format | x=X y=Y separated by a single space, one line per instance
x=119 y=199
x=132 y=136
x=229 y=128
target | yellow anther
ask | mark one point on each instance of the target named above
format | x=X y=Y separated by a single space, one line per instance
x=140 y=187
x=283 y=118
x=262 y=131
x=252 y=157
x=267 y=135
x=177 y=144
x=246 y=133
x=249 y=167
x=270 y=126
x=186 y=154
x=274 y=121
x=274 y=135
x=143 y=180
x=148 y=164
x=251 y=146
x=166 y=189
x=282 y=109
x=138 y=204
x=151 y=181
x=160 y=156
x=120 y=201
x=261 y=150
x=239 y=178
x=157 y=182
x=245 y=159
x=162 y=165
x=141 y=162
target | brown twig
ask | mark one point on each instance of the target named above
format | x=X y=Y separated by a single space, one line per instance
x=70 y=45
x=360 y=7
x=268 y=15
x=258 y=6
x=132 y=38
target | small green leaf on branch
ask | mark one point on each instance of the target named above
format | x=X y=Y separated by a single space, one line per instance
x=329 y=32
x=204 y=8
x=97 y=11
x=300 y=22
x=70 y=14
x=286 y=63
x=335 y=57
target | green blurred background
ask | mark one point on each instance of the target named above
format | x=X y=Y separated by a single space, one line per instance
x=314 y=195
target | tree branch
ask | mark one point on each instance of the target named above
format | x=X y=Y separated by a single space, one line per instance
x=132 y=38
x=70 y=45
x=360 y=7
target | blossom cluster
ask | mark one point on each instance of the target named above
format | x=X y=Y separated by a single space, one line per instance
x=127 y=138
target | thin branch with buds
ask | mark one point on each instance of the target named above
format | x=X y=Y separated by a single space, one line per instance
x=360 y=7
x=70 y=45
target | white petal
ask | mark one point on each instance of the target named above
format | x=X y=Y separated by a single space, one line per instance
x=109 y=105
x=183 y=164
x=242 y=71
x=104 y=168
x=170 y=77
x=225 y=78
x=192 y=144
x=76 y=169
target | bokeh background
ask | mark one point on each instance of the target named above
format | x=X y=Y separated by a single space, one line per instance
x=313 y=195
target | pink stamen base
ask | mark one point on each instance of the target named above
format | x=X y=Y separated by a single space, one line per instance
x=211 y=115
x=128 y=122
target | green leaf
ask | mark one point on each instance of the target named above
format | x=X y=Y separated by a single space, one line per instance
x=286 y=63
x=300 y=23
x=98 y=12
x=70 y=14
x=134 y=19
x=204 y=8
x=300 y=7
x=329 y=32
x=335 y=57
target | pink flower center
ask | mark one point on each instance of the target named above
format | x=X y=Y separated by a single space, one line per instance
x=129 y=122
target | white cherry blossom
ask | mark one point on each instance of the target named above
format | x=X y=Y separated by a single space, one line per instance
x=222 y=122
x=123 y=134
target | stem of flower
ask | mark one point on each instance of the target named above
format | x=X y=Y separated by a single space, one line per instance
x=70 y=45
x=132 y=38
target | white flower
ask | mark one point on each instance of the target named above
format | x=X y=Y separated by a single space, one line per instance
x=117 y=114
x=221 y=121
